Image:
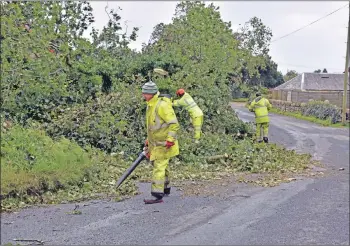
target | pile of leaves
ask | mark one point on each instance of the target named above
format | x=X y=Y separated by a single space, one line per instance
x=322 y=110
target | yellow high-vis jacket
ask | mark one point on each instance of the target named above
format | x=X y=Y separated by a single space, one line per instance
x=260 y=106
x=189 y=104
x=162 y=126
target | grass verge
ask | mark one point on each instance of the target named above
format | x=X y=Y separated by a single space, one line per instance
x=36 y=169
x=240 y=99
x=298 y=115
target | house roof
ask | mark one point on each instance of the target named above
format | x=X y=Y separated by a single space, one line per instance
x=315 y=81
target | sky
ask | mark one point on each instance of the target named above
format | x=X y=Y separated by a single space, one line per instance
x=320 y=45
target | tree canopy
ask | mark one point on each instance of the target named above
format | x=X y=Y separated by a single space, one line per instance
x=290 y=75
x=319 y=71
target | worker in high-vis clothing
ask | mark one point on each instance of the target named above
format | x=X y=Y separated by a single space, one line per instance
x=161 y=143
x=196 y=114
x=261 y=106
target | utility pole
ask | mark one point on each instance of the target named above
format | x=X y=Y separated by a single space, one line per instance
x=346 y=73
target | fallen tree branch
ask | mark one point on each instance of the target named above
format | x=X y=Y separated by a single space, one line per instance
x=40 y=242
x=217 y=157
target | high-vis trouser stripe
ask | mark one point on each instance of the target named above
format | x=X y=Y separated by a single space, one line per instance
x=157 y=182
x=159 y=175
x=262 y=130
x=157 y=190
x=197 y=125
x=167 y=180
x=261 y=116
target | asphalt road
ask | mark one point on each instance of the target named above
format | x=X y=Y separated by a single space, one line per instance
x=308 y=211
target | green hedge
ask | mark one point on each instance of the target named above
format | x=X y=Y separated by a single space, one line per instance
x=322 y=110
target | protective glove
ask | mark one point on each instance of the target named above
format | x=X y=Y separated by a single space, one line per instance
x=169 y=144
x=148 y=155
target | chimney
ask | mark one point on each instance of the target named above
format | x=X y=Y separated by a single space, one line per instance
x=302 y=82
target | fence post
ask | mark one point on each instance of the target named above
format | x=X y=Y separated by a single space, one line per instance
x=347 y=71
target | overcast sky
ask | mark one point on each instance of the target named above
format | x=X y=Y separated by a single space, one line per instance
x=321 y=45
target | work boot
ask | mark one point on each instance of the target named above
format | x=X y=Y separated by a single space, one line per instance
x=266 y=139
x=167 y=191
x=153 y=201
x=158 y=198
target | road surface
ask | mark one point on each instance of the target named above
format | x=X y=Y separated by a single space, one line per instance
x=308 y=211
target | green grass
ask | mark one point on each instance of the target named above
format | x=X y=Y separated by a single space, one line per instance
x=240 y=99
x=298 y=115
x=29 y=157
x=37 y=169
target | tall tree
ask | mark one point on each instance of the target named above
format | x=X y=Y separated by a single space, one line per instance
x=269 y=76
x=113 y=36
x=324 y=70
x=254 y=40
x=200 y=43
x=36 y=80
x=157 y=33
x=290 y=75
x=112 y=54
x=255 y=37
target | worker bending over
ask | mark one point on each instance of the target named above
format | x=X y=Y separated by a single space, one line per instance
x=161 y=143
x=261 y=106
x=195 y=112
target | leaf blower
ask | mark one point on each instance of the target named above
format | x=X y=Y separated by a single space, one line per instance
x=126 y=174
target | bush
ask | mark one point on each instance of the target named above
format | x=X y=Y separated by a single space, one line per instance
x=112 y=123
x=322 y=110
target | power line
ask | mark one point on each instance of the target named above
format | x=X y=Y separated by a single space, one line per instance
x=308 y=24
x=302 y=66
